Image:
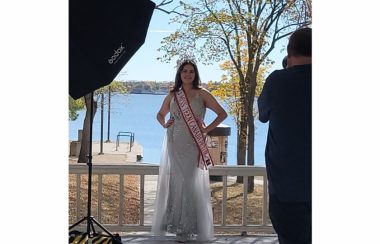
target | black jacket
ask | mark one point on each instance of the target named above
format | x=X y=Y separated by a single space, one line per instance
x=286 y=103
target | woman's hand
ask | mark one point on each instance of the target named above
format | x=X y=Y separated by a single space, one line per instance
x=202 y=126
x=169 y=122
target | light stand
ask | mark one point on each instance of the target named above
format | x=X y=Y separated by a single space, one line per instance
x=91 y=220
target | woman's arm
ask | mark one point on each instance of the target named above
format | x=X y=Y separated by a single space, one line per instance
x=164 y=110
x=211 y=103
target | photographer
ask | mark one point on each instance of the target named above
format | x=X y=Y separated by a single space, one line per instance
x=286 y=103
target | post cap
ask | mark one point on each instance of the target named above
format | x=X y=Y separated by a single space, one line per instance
x=220 y=130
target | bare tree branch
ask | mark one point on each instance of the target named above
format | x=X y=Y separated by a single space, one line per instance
x=165 y=2
x=226 y=34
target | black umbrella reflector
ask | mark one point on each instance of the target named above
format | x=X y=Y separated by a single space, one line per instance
x=103 y=36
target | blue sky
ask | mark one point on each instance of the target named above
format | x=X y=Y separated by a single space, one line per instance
x=145 y=66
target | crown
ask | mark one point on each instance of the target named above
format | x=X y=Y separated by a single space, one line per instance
x=186 y=58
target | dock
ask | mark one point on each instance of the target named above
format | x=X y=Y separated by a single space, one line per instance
x=111 y=153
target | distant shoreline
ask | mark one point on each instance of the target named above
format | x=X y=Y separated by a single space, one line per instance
x=148 y=93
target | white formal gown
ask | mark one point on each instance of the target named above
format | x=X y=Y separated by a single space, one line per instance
x=183 y=203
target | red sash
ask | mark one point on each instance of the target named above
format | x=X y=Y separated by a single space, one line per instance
x=192 y=124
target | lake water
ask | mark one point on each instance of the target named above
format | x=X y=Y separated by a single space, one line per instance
x=137 y=113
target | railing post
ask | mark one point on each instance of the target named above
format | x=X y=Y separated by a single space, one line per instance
x=265 y=199
x=130 y=143
x=117 y=141
x=78 y=196
x=224 y=201
x=121 y=200
x=100 y=196
x=142 y=191
x=245 y=197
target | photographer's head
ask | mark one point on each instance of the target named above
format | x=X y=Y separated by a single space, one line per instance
x=299 y=47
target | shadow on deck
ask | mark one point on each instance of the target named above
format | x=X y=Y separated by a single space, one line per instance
x=221 y=239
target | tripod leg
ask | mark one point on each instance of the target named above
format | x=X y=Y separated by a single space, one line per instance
x=77 y=223
x=116 y=239
x=92 y=226
x=100 y=226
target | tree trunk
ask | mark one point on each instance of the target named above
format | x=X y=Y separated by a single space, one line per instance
x=84 y=149
x=109 y=114
x=251 y=136
x=242 y=137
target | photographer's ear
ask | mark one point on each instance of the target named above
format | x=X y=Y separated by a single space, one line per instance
x=285 y=62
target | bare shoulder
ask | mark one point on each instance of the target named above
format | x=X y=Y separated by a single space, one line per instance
x=205 y=94
x=168 y=98
x=166 y=104
x=169 y=95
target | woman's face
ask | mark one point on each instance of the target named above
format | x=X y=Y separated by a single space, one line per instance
x=188 y=74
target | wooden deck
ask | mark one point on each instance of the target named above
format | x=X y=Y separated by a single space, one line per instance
x=147 y=238
x=221 y=239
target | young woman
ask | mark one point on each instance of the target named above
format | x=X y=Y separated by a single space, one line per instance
x=183 y=204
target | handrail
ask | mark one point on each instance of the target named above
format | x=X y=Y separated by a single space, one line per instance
x=149 y=169
x=131 y=136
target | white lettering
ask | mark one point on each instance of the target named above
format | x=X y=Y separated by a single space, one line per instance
x=116 y=54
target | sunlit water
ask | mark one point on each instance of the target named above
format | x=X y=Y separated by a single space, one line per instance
x=137 y=113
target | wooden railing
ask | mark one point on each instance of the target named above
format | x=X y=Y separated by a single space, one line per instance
x=143 y=170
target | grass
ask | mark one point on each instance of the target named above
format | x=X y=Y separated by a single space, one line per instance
x=234 y=206
x=110 y=201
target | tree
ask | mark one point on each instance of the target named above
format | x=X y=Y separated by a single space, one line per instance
x=228 y=91
x=74 y=107
x=116 y=88
x=215 y=30
x=84 y=147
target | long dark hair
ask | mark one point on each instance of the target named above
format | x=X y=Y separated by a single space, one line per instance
x=178 y=81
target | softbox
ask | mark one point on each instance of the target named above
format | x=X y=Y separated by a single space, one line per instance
x=103 y=36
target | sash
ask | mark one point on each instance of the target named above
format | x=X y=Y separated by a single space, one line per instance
x=192 y=124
